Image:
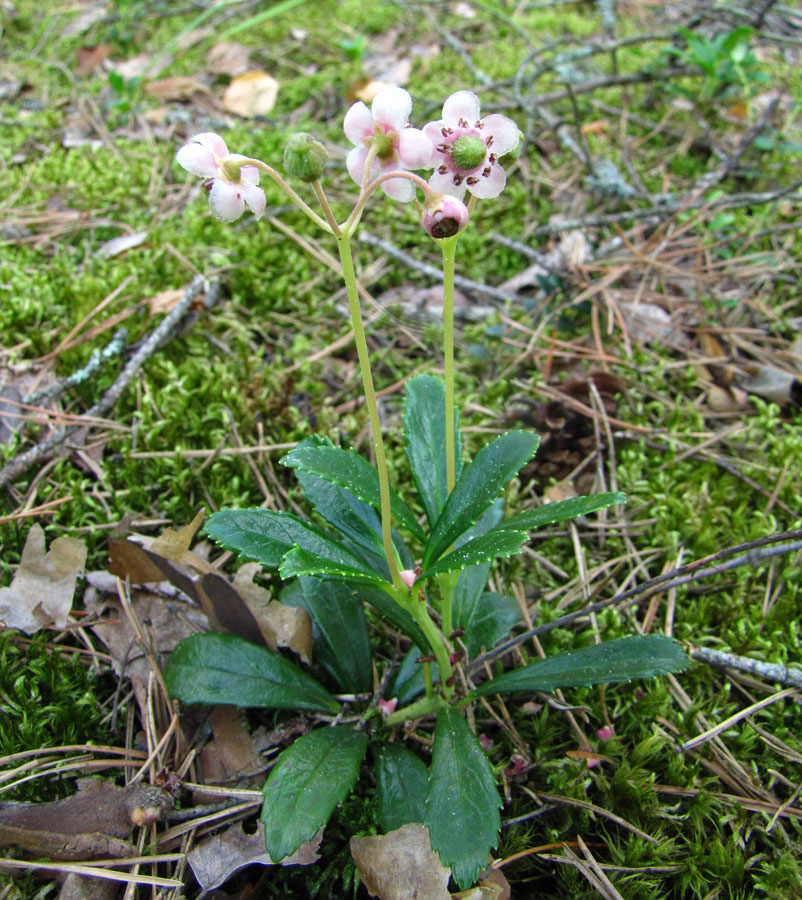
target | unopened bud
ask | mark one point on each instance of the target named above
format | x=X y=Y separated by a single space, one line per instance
x=408 y=576
x=444 y=216
x=304 y=157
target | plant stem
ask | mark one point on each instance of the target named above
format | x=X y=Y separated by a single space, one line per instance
x=449 y=248
x=344 y=247
x=426 y=706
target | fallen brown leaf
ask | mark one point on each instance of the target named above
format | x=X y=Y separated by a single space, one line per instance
x=42 y=589
x=228 y=59
x=178 y=87
x=89 y=58
x=400 y=865
x=233 y=753
x=251 y=94
x=214 y=860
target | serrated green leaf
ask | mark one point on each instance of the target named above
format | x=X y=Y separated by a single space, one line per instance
x=462 y=806
x=561 y=510
x=223 y=668
x=480 y=483
x=339 y=630
x=402 y=780
x=620 y=660
x=486 y=547
x=310 y=778
x=425 y=435
x=488 y=619
x=303 y=562
x=349 y=470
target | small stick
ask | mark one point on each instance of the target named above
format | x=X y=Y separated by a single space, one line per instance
x=767 y=671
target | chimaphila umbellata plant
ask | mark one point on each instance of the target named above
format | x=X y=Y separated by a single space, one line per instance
x=427 y=577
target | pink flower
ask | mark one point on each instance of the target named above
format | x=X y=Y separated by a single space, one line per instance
x=605 y=733
x=444 y=216
x=232 y=185
x=408 y=576
x=486 y=742
x=386 y=707
x=467 y=149
x=399 y=147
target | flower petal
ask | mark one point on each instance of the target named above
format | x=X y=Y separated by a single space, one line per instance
x=197 y=160
x=506 y=133
x=444 y=184
x=254 y=198
x=249 y=174
x=399 y=188
x=434 y=131
x=415 y=149
x=355 y=163
x=491 y=186
x=211 y=142
x=462 y=105
x=226 y=200
x=358 y=123
x=391 y=107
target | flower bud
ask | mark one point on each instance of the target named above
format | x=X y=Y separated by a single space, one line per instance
x=408 y=576
x=304 y=157
x=444 y=216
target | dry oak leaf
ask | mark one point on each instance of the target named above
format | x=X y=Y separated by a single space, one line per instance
x=42 y=589
x=401 y=864
x=251 y=94
x=215 y=859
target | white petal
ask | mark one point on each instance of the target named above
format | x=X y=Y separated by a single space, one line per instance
x=434 y=131
x=506 y=134
x=415 y=149
x=355 y=163
x=391 y=107
x=197 y=160
x=444 y=184
x=358 y=123
x=249 y=174
x=226 y=200
x=254 y=198
x=462 y=105
x=211 y=142
x=491 y=186
x=399 y=188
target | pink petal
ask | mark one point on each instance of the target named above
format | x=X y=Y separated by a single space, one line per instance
x=254 y=198
x=197 y=160
x=444 y=184
x=391 y=107
x=211 y=142
x=226 y=200
x=399 y=188
x=355 y=163
x=358 y=123
x=249 y=174
x=506 y=134
x=415 y=149
x=491 y=186
x=462 y=105
x=433 y=131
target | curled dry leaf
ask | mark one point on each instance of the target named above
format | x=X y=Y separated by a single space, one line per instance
x=251 y=94
x=42 y=589
x=233 y=754
x=401 y=864
x=215 y=859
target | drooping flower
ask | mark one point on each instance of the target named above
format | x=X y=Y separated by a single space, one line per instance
x=467 y=149
x=399 y=147
x=231 y=184
x=444 y=216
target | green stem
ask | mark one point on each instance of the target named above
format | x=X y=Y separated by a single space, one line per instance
x=344 y=246
x=434 y=636
x=449 y=248
x=280 y=182
x=426 y=706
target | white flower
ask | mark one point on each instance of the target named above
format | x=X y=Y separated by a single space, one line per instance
x=399 y=147
x=467 y=149
x=231 y=185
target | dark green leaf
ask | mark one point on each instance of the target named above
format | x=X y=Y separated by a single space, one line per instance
x=267 y=536
x=384 y=604
x=462 y=804
x=480 y=483
x=403 y=783
x=349 y=470
x=486 y=547
x=342 y=566
x=407 y=681
x=339 y=630
x=425 y=434
x=486 y=620
x=310 y=778
x=561 y=510
x=223 y=668
x=619 y=660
